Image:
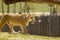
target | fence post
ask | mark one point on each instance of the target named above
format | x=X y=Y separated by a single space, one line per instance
x=25 y=7
x=57 y=22
x=55 y=13
x=2 y=8
x=20 y=11
x=51 y=10
x=54 y=10
x=50 y=18
x=14 y=7
x=7 y=8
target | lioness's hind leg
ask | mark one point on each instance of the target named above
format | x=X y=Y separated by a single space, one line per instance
x=3 y=21
x=11 y=28
x=22 y=30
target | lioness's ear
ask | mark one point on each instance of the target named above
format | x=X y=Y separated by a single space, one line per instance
x=27 y=15
x=33 y=14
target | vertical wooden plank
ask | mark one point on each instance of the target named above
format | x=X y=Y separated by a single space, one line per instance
x=57 y=25
x=47 y=25
x=49 y=28
x=50 y=20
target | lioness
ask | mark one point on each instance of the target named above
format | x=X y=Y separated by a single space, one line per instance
x=21 y=20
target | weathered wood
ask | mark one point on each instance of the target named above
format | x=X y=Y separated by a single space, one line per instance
x=7 y=2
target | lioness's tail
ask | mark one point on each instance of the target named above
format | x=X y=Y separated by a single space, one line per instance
x=3 y=21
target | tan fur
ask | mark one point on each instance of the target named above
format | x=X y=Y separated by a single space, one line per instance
x=21 y=20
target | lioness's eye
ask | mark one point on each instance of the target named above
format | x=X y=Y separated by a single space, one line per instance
x=31 y=17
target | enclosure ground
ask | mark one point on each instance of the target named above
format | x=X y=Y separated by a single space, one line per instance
x=7 y=36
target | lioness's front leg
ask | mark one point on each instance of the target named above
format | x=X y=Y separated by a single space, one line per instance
x=23 y=29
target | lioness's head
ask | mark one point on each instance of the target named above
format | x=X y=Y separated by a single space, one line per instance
x=29 y=17
x=32 y=18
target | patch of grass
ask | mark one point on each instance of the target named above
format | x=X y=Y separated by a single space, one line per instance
x=4 y=39
x=7 y=36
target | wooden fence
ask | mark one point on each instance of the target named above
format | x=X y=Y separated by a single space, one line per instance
x=48 y=26
x=44 y=25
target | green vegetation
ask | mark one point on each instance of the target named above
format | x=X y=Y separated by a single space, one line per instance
x=36 y=7
x=7 y=36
